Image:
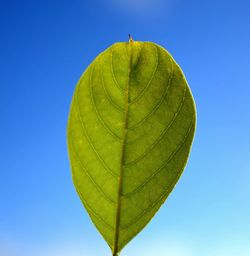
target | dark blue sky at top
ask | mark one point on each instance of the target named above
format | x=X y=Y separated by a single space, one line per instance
x=44 y=48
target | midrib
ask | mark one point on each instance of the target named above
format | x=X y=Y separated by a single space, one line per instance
x=125 y=128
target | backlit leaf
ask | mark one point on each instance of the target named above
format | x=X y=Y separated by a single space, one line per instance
x=130 y=129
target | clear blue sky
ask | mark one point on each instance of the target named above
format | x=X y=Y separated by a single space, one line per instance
x=44 y=48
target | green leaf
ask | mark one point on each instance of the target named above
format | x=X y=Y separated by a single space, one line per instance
x=130 y=129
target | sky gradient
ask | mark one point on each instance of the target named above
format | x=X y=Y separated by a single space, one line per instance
x=44 y=48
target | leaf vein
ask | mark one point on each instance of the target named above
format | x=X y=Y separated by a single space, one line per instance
x=88 y=174
x=160 y=197
x=158 y=104
x=97 y=113
x=113 y=73
x=89 y=140
x=92 y=211
x=129 y=194
x=150 y=80
x=108 y=96
x=150 y=148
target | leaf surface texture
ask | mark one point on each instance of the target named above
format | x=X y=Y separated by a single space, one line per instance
x=130 y=130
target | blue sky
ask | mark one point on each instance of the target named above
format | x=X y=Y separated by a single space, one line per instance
x=44 y=48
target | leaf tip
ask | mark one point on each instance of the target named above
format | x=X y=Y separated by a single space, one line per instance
x=130 y=38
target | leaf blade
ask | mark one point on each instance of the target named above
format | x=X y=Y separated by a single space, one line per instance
x=137 y=117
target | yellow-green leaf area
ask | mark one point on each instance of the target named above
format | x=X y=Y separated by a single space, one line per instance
x=130 y=130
